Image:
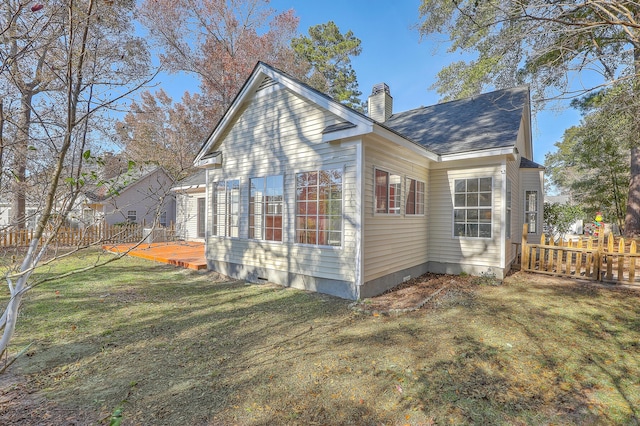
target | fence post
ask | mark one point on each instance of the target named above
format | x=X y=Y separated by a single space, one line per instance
x=525 y=261
x=598 y=257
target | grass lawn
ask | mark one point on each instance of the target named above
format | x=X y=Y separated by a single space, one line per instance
x=171 y=346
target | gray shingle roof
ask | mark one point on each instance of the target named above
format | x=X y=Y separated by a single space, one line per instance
x=528 y=164
x=486 y=121
x=196 y=179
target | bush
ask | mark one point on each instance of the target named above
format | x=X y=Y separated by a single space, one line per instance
x=558 y=218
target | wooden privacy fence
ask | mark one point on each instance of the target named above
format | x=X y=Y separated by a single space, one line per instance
x=600 y=259
x=97 y=234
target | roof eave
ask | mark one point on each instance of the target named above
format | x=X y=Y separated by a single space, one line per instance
x=510 y=151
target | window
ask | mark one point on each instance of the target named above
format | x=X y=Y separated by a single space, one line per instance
x=201 y=217
x=31 y=219
x=132 y=215
x=531 y=210
x=388 y=190
x=415 y=197
x=508 y=218
x=472 y=208
x=163 y=219
x=319 y=207
x=226 y=208
x=265 y=208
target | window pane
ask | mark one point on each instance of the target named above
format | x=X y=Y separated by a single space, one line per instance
x=459 y=200
x=472 y=215
x=484 y=231
x=381 y=191
x=485 y=199
x=459 y=230
x=319 y=207
x=472 y=185
x=472 y=200
x=410 y=205
x=461 y=185
x=485 y=184
x=459 y=215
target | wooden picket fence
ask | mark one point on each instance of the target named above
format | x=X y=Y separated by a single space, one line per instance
x=605 y=259
x=98 y=234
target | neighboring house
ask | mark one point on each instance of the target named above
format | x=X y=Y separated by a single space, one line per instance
x=190 y=196
x=140 y=196
x=32 y=213
x=306 y=192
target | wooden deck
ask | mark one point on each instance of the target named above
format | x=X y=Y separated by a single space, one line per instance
x=185 y=254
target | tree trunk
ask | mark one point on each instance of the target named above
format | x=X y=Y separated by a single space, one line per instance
x=632 y=218
x=19 y=169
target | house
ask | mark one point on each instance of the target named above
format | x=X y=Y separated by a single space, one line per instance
x=141 y=195
x=190 y=194
x=32 y=214
x=306 y=192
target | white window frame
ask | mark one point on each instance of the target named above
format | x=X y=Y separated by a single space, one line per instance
x=309 y=212
x=396 y=211
x=266 y=206
x=226 y=209
x=132 y=214
x=470 y=207
x=535 y=212
x=416 y=201
x=508 y=202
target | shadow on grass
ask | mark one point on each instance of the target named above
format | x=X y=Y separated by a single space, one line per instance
x=180 y=347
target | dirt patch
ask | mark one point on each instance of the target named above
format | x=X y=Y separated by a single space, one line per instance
x=22 y=404
x=427 y=289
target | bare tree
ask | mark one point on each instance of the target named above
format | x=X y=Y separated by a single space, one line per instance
x=63 y=65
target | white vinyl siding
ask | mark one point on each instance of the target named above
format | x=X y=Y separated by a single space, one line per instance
x=463 y=251
x=392 y=242
x=281 y=134
x=513 y=234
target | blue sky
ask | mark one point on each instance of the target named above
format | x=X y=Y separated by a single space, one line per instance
x=393 y=53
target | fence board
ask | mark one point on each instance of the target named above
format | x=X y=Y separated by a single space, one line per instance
x=97 y=234
x=598 y=260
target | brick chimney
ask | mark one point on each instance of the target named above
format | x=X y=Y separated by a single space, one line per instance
x=380 y=104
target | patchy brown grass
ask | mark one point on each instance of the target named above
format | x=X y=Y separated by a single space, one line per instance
x=179 y=347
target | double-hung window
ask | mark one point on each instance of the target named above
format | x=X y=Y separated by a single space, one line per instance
x=226 y=208
x=508 y=219
x=265 y=208
x=472 y=207
x=388 y=192
x=132 y=216
x=531 y=210
x=319 y=207
x=415 y=197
